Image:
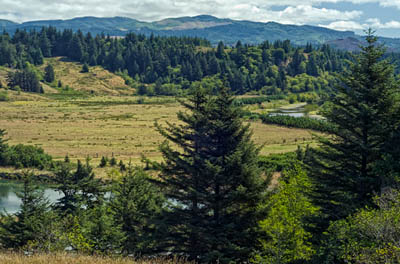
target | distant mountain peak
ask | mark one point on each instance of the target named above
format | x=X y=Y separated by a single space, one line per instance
x=6 y=23
x=205 y=26
x=194 y=22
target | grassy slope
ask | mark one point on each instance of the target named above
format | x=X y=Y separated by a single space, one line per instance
x=98 y=80
x=108 y=125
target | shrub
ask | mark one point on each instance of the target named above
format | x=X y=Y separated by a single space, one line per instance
x=4 y=97
x=85 y=68
x=23 y=156
x=113 y=162
x=103 y=162
x=298 y=122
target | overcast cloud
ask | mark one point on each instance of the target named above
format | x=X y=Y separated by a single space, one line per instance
x=284 y=11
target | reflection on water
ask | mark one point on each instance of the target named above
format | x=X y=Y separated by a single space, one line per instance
x=9 y=200
x=295 y=112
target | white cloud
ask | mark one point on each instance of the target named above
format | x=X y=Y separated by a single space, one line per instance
x=345 y=25
x=377 y=24
x=373 y=23
x=304 y=14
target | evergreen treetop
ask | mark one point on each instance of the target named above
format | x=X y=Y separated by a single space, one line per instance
x=366 y=115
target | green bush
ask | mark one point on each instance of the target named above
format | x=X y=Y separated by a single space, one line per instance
x=369 y=236
x=23 y=156
x=298 y=122
x=4 y=97
x=278 y=162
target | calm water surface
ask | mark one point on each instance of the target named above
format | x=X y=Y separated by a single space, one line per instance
x=9 y=200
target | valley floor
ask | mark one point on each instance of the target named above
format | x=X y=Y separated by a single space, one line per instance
x=112 y=125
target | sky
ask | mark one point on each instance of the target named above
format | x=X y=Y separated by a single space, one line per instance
x=355 y=15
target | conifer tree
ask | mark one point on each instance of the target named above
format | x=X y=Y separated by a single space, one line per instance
x=214 y=182
x=45 y=44
x=113 y=162
x=136 y=203
x=85 y=68
x=220 y=54
x=49 y=75
x=79 y=188
x=366 y=115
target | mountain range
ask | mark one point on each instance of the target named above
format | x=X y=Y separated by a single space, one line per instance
x=214 y=29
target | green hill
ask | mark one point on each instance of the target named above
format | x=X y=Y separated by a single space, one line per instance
x=204 y=26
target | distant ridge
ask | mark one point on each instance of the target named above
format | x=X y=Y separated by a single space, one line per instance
x=6 y=23
x=205 y=26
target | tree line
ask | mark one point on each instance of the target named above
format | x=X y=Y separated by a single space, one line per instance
x=173 y=63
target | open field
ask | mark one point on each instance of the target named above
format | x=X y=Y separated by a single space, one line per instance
x=103 y=126
x=74 y=123
x=11 y=258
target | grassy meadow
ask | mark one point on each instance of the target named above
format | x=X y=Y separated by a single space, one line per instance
x=106 y=123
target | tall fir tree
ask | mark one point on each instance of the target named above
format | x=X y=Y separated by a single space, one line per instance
x=214 y=183
x=365 y=113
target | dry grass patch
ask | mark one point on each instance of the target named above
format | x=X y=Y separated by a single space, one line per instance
x=98 y=80
x=279 y=139
x=13 y=258
x=61 y=128
x=107 y=126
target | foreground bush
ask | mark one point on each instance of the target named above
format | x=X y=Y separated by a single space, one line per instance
x=370 y=236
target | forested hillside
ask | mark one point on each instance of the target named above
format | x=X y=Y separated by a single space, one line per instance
x=171 y=64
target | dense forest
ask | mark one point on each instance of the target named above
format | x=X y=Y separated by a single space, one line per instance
x=171 y=64
x=211 y=198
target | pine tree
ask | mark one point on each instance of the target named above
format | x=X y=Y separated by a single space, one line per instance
x=312 y=68
x=220 y=54
x=85 y=68
x=365 y=114
x=49 y=75
x=75 y=49
x=103 y=162
x=214 y=182
x=113 y=162
x=101 y=231
x=45 y=45
x=79 y=189
x=136 y=202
